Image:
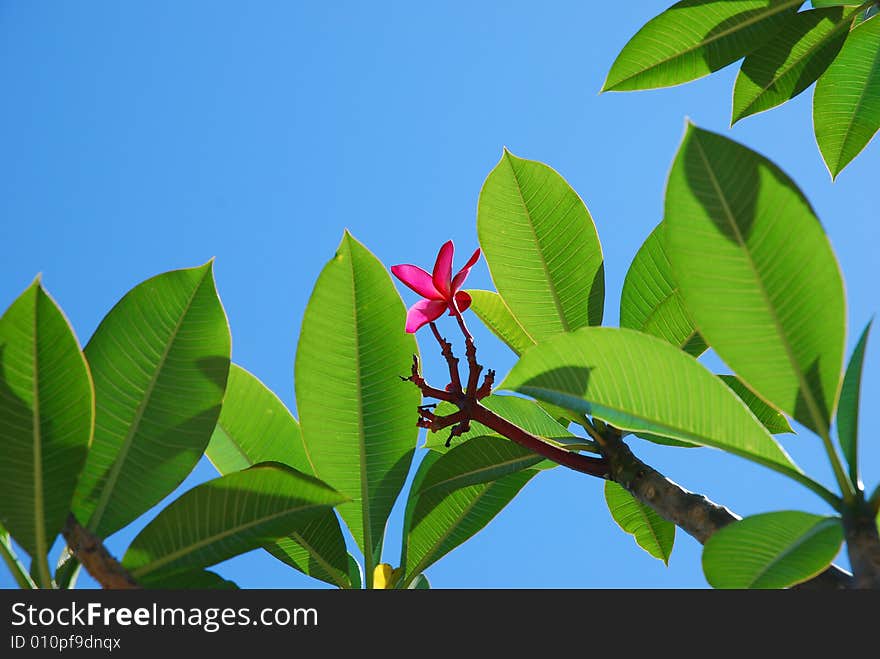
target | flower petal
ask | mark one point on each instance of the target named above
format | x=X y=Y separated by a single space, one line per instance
x=443 y=270
x=462 y=274
x=416 y=279
x=423 y=312
x=462 y=301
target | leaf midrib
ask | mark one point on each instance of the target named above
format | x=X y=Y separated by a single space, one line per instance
x=329 y=569
x=647 y=521
x=804 y=387
x=849 y=124
x=227 y=437
x=362 y=448
x=40 y=539
x=473 y=472
x=216 y=537
x=803 y=60
x=659 y=307
x=679 y=433
x=125 y=447
x=724 y=33
x=424 y=561
x=553 y=292
x=496 y=328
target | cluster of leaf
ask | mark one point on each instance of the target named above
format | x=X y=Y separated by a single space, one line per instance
x=835 y=44
x=772 y=308
x=357 y=432
x=106 y=433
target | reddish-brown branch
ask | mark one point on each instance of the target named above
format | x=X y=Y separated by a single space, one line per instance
x=451 y=359
x=469 y=409
x=474 y=369
x=585 y=464
x=427 y=390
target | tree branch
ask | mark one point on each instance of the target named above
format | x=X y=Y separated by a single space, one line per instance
x=585 y=464
x=863 y=545
x=98 y=562
x=693 y=513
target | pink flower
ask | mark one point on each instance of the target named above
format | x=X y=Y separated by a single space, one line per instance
x=440 y=290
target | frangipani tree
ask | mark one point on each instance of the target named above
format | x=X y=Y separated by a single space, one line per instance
x=772 y=308
x=98 y=436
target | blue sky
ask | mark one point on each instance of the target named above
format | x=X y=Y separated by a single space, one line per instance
x=140 y=137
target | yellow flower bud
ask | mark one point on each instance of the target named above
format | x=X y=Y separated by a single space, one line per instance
x=383 y=577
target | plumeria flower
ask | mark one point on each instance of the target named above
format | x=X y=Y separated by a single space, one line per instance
x=441 y=291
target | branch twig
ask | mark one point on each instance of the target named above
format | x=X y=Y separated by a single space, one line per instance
x=469 y=409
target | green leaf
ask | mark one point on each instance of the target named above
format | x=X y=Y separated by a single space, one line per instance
x=846 y=104
x=772 y=550
x=694 y=38
x=66 y=570
x=357 y=416
x=652 y=533
x=255 y=426
x=455 y=494
x=355 y=577
x=650 y=301
x=541 y=247
x=497 y=316
x=46 y=421
x=527 y=414
x=772 y=307
x=442 y=519
x=191 y=580
x=481 y=460
x=848 y=411
x=772 y=419
x=314 y=549
x=790 y=62
x=640 y=383
x=420 y=583
x=226 y=517
x=10 y=558
x=412 y=499
x=159 y=359
x=665 y=441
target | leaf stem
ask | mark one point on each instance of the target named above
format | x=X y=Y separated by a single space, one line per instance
x=44 y=572
x=832 y=499
x=847 y=488
x=22 y=577
x=369 y=567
